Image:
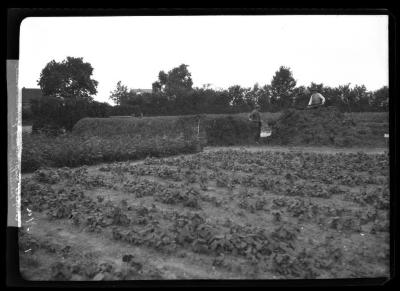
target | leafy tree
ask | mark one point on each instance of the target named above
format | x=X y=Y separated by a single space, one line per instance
x=314 y=87
x=301 y=96
x=344 y=92
x=359 y=98
x=237 y=96
x=121 y=95
x=252 y=95
x=264 y=98
x=221 y=101
x=330 y=94
x=177 y=81
x=352 y=98
x=380 y=99
x=69 y=79
x=282 y=86
x=207 y=100
x=159 y=86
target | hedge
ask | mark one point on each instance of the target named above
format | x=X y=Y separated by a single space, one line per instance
x=69 y=150
x=211 y=130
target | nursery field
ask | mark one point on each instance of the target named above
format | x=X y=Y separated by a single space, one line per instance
x=98 y=140
x=220 y=214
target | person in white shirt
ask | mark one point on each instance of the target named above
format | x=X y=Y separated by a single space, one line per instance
x=316 y=99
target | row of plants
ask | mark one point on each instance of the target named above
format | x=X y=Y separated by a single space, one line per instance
x=161 y=204
x=96 y=140
x=69 y=150
x=187 y=230
x=213 y=130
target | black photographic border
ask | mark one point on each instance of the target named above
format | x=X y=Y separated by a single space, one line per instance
x=15 y=16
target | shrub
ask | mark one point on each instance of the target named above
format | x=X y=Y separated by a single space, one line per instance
x=162 y=126
x=30 y=160
x=51 y=112
x=131 y=110
x=362 y=131
x=326 y=126
x=213 y=130
x=229 y=130
x=27 y=116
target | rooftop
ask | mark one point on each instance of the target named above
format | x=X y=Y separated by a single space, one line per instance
x=142 y=90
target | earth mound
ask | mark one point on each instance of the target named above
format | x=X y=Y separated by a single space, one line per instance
x=324 y=126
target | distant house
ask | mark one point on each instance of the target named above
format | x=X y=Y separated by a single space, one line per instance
x=141 y=91
x=29 y=94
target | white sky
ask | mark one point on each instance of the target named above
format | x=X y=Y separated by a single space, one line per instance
x=221 y=50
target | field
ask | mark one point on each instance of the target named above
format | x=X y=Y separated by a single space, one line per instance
x=218 y=214
x=98 y=140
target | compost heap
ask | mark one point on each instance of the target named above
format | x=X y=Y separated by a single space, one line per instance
x=319 y=126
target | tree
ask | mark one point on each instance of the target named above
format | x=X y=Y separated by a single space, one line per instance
x=264 y=98
x=344 y=97
x=159 y=86
x=360 y=98
x=177 y=81
x=252 y=95
x=316 y=87
x=175 y=87
x=237 y=96
x=70 y=79
x=332 y=96
x=301 y=97
x=282 y=86
x=380 y=99
x=121 y=95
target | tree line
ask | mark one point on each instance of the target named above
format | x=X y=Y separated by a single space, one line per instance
x=173 y=94
x=68 y=89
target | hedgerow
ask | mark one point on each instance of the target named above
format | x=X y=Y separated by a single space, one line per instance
x=97 y=140
x=171 y=126
x=211 y=130
x=327 y=126
x=229 y=130
x=70 y=150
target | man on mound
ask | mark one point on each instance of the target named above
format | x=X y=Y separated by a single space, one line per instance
x=255 y=119
x=316 y=100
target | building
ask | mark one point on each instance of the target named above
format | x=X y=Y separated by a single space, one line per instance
x=29 y=94
x=141 y=91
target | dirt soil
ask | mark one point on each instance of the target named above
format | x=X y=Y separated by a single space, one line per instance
x=219 y=214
